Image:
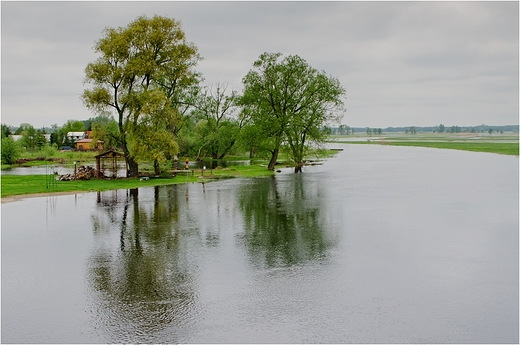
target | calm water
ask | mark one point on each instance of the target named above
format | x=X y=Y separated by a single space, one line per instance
x=378 y=245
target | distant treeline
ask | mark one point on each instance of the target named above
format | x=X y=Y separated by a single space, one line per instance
x=346 y=130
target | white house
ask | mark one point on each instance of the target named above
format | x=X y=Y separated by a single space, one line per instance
x=75 y=136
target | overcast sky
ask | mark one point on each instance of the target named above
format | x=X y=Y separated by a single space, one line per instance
x=402 y=63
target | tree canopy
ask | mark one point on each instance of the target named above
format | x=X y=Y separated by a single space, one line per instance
x=289 y=104
x=145 y=76
x=150 y=55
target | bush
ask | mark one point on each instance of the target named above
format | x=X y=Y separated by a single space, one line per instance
x=50 y=150
x=10 y=151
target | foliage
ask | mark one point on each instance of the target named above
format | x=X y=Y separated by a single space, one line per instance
x=217 y=130
x=150 y=138
x=6 y=131
x=59 y=136
x=105 y=128
x=10 y=150
x=150 y=54
x=290 y=102
x=50 y=150
x=22 y=128
x=32 y=139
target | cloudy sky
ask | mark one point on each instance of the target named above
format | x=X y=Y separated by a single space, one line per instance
x=402 y=63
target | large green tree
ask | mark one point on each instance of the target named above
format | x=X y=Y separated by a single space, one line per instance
x=290 y=103
x=151 y=138
x=149 y=54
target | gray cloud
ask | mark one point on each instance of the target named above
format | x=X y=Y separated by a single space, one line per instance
x=402 y=63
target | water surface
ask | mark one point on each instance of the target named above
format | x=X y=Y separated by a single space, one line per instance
x=378 y=245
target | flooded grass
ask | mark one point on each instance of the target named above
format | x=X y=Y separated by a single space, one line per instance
x=35 y=184
x=490 y=147
x=499 y=143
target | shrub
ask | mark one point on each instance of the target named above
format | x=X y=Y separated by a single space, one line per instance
x=50 y=150
x=10 y=151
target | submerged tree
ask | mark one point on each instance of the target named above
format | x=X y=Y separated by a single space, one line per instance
x=290 y=103
x=149 y=54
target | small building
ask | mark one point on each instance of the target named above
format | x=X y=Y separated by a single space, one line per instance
x=88 y=144
x=107 y=162
x=75 y=136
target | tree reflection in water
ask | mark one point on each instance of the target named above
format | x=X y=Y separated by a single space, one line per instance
x=150 y=284
x=283 y=222
x=145 y=285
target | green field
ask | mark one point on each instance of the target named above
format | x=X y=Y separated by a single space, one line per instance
x=34 y=184
x=497 y=143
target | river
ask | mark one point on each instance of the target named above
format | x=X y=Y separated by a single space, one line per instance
x=379 y=244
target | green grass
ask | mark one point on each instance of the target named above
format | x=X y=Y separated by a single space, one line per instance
x=35 y=184
x=500 y=148
x=498 y=143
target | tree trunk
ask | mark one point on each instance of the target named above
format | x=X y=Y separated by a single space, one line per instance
x=133 y=168
x=198 y=154
x=252 y=153
x=225 y=152
x=156 y=167
x=274 y=157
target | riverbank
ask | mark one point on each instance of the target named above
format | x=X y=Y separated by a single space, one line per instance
x=17 y=187
x=507 y=143
x=21 y=197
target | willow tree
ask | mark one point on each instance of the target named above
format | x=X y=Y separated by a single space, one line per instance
x=151 y=138
x=290 y=103
x=150 y=54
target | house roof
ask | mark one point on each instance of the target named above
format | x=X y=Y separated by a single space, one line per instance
x=75 y=134
x=84 y=141
x=109 y=153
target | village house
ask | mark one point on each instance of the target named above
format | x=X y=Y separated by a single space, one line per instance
x=75 y=136
x=88 y=143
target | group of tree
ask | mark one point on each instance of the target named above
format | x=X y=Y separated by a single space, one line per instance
x=476 y=129
x=374 y=131
x=145 y=75
x=31 y=139
x=411 y=130
x=10 y=149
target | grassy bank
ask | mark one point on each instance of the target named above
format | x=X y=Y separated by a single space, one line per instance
x=501 y=143
x=35 y=184
x=500 y=148
x=13 y=185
